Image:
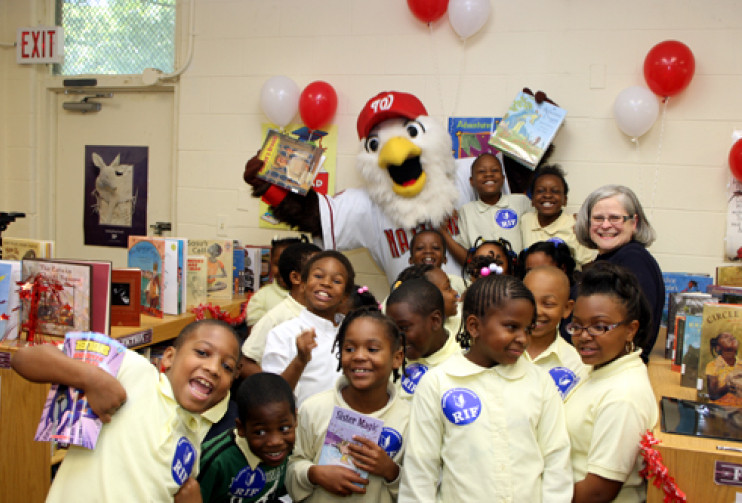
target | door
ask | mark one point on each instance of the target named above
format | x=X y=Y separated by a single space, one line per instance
x=129 y=118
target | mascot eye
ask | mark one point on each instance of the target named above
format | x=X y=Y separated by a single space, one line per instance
x=372 y=144
x=414 y=129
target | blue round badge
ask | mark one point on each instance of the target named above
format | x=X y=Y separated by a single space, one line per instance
x=507 y=219
x=183 y=461
x=556 y=241
x=564 y=379
x=411 y=377
x=391 y=441
x=247 y=483
x=461 y=406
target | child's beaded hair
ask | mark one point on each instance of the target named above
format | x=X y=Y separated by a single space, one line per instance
x=428 y=231
x=604 y=278
x=262 y=389
x=474 y=265
x=361 y=296
x=337 y=256
x=491 y=292
x=559 y=253
x=547 y=169
x=395 y=335
x=294 y=258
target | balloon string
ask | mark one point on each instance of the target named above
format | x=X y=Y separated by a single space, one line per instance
x=437 y=69
x=659 y=154
x=458 y=85
x=638 y=165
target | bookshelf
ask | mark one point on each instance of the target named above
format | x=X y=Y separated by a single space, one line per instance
x=25 y=475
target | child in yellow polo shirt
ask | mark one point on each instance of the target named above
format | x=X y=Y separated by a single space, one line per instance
x=149 y=448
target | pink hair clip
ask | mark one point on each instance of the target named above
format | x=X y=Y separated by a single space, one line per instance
x=492 y=268
x=362 y=290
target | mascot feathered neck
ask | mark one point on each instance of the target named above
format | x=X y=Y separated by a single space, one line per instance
x=405 y=159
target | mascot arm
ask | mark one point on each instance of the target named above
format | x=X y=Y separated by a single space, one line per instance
x=297 y=211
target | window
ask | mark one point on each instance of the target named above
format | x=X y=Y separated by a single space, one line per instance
x=117 y=37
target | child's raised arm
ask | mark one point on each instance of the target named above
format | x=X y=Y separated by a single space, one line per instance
x=47 y=364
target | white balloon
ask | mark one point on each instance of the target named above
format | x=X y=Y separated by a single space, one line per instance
x=279 y=99
x=635 y=110
x=468 y=16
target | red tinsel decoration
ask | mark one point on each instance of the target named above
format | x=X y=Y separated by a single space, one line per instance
x=654 y=468
x=218 y=314
x=34 y=290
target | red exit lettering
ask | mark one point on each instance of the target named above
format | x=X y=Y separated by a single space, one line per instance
x=42 y=45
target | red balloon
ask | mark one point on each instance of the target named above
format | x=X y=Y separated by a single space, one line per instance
x=669 y=67
x=317 y=104
x=735 y=160
x=428 y=11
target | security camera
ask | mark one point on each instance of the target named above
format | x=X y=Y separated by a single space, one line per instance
x=82 y=106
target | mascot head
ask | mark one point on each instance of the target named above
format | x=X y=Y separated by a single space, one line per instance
x=405 y=159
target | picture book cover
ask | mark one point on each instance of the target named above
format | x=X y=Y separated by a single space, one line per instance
x=148 y=255
x=66 y=308
x=729 y=275
x=683 y=303
x=100 y=298
x=719 y=365
x=238 y=270
x=691 y=350
x=344 y=425
x=18 y=248
x=257 y=267
x=471 y=135
x=682 y=282
x=10 y=310
x=527 y=129
x=219 y=264
x=197 y=280
x=289 y=162
x=126 y=290
x=66 y=417
x=719 y=291
x=677 y=347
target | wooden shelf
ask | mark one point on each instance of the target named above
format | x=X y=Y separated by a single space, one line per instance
x=25 y=473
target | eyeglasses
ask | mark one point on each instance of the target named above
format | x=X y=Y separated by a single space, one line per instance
x=596 y=330
x=612 y=219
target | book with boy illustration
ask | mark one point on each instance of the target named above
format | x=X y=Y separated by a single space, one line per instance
x=64 y=302
x=527 y=129
x=219 y=264
x=289 y=162
x=471 y=135
x=148 y=254
x=67 y=418
x=344 y=425
x=719 y=365
x=682 y=282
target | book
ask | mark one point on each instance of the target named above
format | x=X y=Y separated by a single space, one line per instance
x=65 y=305
x=197 y=280
x=691 y=350
x=289 y=162
x=257 y=267
x=148 y=255
x=18 y=248
x=100 y=294
x=719 y=364
x=126 y=291
x=682 y=282
x=67 y=417
x=10 y=308
x=344 y=425
x=719 y=291
x=238 y=269
x=471 y=135
x=683 y=303
x=675 y=366
x=729 y=275
x=219 y=264
x=686 y=417
x=170 y=278
x=527 y=129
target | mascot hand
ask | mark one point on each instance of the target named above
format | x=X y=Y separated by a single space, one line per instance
x=253 y=166
x=540 y=96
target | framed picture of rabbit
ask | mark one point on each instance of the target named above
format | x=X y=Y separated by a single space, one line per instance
x=115 y=194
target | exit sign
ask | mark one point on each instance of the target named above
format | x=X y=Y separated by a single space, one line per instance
x=41 y=44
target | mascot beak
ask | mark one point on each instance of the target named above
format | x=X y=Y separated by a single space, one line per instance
x=401 y=158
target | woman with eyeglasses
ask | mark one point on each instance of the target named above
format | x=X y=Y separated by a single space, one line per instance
x=613 y=222
x=608 y=412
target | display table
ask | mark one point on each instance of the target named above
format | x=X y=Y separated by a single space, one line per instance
x=25 y=465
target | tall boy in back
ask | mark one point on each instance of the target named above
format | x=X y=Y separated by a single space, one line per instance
x=292 y=261
x=270 y=295
x=493 y=215
x=550 y=287
x=248 y=464
x=416 y=306
x=148 y=450
x=301 y=349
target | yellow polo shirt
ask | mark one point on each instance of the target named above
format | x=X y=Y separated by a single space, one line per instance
x=562 y=229
x=607 y=415
x=150 y=447
x=263 y=301
x=416 y=369
x=254 y=345
x=487 y=435
x=314 y=417
x=563 y=363
x=500 y=220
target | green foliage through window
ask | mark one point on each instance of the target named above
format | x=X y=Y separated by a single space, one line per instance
x=117 y=37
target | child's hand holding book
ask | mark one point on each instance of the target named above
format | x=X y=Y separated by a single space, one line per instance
x=372 y=458
x=337 y=480
x=105 y=393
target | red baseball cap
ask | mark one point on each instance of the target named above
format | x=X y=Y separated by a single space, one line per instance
x=388 y=105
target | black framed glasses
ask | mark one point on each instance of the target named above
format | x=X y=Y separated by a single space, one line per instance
x=612 y=219
x=596 y=330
